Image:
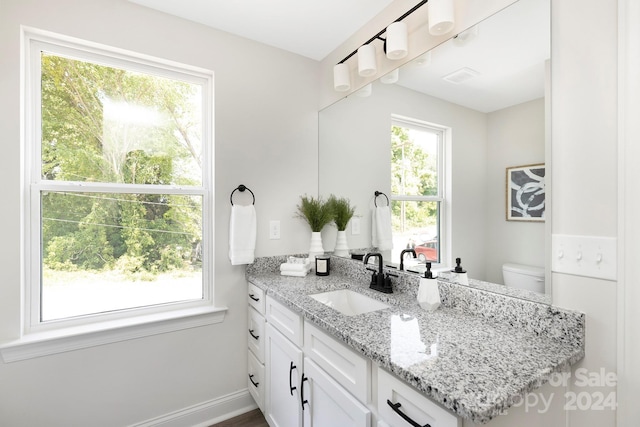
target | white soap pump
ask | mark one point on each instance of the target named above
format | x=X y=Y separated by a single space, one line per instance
x=460 y=274
x=428 y=292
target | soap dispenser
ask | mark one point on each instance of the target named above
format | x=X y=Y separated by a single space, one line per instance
x=460 y=274
x=428 y=292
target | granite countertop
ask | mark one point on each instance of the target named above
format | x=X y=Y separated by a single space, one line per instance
x=476 y=355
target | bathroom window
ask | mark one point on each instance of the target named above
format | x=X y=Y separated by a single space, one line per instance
x=119 y=184
x=417 y=188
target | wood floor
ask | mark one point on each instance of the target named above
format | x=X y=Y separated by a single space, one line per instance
x=250 y=419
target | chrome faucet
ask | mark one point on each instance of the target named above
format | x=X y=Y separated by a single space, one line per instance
x=405 y=251
x=379 y=281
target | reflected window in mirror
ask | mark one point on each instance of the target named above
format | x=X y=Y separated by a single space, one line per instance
x=417 y=188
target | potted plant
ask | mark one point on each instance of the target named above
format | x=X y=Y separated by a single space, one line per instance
x=342 y=214
x=317 y=213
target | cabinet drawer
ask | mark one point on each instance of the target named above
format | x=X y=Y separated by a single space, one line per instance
x=255 y=381
x=255 y=335
x=347 y=367
x=284 y=320
x=413 y=405
x=256 y=298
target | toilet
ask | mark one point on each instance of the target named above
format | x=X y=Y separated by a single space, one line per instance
x=523 y=277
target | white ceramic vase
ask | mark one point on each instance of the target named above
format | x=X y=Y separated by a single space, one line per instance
x=342 y=249
x=316 y=247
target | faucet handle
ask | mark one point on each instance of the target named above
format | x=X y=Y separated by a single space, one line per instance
x=388 y=288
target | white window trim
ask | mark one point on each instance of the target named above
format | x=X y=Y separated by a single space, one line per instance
x=44 y=338
x=444 y=183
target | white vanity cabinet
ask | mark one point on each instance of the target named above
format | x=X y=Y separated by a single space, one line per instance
x=299 y=392
x=301 y=376
x=401 y=406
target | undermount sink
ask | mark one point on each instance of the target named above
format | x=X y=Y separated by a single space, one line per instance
x=348 y=302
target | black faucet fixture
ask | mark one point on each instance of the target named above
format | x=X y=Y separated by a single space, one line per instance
x=405 y=251
x=379 y=281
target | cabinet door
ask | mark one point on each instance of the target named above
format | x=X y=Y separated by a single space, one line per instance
x=326 y=403
x=283 y=367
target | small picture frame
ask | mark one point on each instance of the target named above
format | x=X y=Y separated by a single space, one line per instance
x=526 y=193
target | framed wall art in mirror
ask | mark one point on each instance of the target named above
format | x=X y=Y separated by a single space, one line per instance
x=525 y=193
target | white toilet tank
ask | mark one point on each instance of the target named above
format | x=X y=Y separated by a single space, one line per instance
x=523 y=277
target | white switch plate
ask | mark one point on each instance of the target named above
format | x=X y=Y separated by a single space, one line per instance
x=587 y=256
x=355 y=225
x=274 y=229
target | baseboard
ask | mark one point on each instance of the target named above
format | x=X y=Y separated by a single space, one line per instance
x=206 y=413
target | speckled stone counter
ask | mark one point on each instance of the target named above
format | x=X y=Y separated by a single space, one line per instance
x=477 y=355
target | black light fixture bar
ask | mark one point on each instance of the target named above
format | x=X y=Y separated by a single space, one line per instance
x=377 y=36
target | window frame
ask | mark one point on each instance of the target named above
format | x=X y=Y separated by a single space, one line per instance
x=443 y=189
x=133 y=321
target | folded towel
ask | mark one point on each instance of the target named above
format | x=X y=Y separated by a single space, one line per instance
x=293 y=273
x=295 y=267
x=242 y=234
x=381 y=228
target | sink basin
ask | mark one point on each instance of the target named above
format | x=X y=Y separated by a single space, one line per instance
x=349 y=302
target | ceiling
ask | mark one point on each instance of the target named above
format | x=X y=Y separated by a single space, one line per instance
x=308 y=28
x=506 y=54
x=503 y=58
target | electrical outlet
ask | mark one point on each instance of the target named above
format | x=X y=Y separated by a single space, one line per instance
x=355 y=225
x=274 y=229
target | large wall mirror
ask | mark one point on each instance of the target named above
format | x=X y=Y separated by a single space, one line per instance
x=486 y=91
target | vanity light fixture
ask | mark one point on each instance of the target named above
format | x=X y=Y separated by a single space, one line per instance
x=367 y=60
x=365 y=91
x=423 y=60
x=441 y=17
x=395 y=47
x=341 y=78
x=391 y=77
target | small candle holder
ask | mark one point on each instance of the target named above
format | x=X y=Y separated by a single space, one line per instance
x=323 y=265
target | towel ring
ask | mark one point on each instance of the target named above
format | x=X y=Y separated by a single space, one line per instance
x=242 y=188
x=380 y=193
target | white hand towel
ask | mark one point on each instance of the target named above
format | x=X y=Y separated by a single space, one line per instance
x=242 y=234
x=295 y=267
x=381 y=236
x=293 y=273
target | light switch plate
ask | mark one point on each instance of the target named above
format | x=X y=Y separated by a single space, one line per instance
x=588 y=256
x=274 y=229
x=355 y=225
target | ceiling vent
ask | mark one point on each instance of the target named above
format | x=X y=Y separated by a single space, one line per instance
x=461 y=75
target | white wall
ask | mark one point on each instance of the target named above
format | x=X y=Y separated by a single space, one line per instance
x=516 y=137
x=355 y=161
x=266 y=138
